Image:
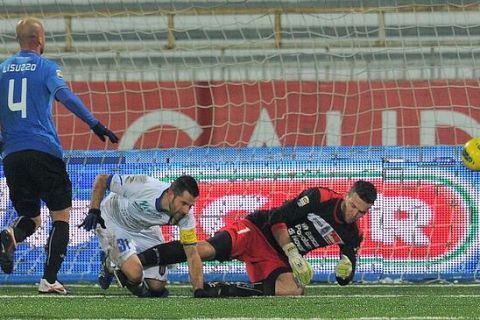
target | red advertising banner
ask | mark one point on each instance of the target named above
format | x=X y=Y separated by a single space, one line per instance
x=288 y=113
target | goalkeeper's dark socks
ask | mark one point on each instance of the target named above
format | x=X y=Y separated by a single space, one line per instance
x=267 y=287
x=149 y=257
x=23 y=228
x=163 y=254
x=232 y=289
x=56 y=249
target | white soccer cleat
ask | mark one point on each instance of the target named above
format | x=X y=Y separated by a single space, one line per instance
x=55 y=288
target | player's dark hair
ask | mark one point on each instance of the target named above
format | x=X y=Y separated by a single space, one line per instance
x=185 y=183
x=365 y=190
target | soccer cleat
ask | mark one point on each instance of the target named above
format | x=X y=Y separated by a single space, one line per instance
x=231 y=289
x=7 y=248
x=214 y=289
x=49 y=288
x=105 y=277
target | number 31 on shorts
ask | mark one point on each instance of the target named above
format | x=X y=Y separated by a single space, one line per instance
x=123 y=245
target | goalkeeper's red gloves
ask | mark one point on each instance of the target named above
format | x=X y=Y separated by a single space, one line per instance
x=93 y=218
x=101 y=131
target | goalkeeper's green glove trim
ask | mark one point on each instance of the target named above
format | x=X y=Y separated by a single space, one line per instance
x=343 y=269
x=302 y=270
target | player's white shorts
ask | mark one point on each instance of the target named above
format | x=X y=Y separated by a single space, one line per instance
x=120 y=244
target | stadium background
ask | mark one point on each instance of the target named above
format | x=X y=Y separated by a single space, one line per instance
x=261 y=99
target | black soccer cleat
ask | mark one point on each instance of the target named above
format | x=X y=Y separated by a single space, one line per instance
x=7 y=248
x=215 y=289
x=231 y=289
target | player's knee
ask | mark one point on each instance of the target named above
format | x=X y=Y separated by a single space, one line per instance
x=133 y=275
x=155 y=285
x=61 y=215
x=290 y=291
x=286 y=285
x=133 y=270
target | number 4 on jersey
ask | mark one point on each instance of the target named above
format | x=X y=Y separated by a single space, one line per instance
x=18 y=106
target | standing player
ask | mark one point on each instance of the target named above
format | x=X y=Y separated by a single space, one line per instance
x=272 y=242
x=130 y=218
x=32 y=154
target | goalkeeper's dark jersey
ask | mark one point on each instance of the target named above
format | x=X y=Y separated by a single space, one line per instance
x=313 y=220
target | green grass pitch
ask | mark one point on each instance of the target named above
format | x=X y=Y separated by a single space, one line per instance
x=398 y=301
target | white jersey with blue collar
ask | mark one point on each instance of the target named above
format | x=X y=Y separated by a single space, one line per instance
x=134 y=203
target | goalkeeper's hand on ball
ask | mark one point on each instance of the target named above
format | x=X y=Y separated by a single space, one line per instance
x=302 y=270
x=343 y=269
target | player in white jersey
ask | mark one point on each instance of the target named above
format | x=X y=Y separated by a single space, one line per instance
x=128 y=221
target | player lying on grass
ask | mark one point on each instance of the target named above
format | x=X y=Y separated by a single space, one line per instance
x=272 y=242
x=128 y=221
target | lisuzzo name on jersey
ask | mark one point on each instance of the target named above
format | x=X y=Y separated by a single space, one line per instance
x=13 y=67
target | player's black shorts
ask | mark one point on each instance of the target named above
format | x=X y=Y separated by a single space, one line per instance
x=33 y=176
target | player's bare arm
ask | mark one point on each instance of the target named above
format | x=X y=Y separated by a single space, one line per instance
x=281 y=235
x=98 y=190
x=94 y=215
x=195 y=266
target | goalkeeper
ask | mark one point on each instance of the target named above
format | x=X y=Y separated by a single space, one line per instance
x=273 y=242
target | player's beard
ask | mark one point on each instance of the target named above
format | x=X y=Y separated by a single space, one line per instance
x=343 y=210
x=175 y=218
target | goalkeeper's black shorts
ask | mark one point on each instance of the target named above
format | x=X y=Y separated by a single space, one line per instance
x=33 y=176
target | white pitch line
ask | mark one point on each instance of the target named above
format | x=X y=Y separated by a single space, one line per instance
x=356 y=285
x=246 y=318
x=336 y=296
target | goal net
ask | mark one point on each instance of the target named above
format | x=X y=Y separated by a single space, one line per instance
x=262 y=99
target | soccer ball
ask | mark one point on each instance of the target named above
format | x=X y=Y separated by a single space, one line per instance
x=471 y=154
